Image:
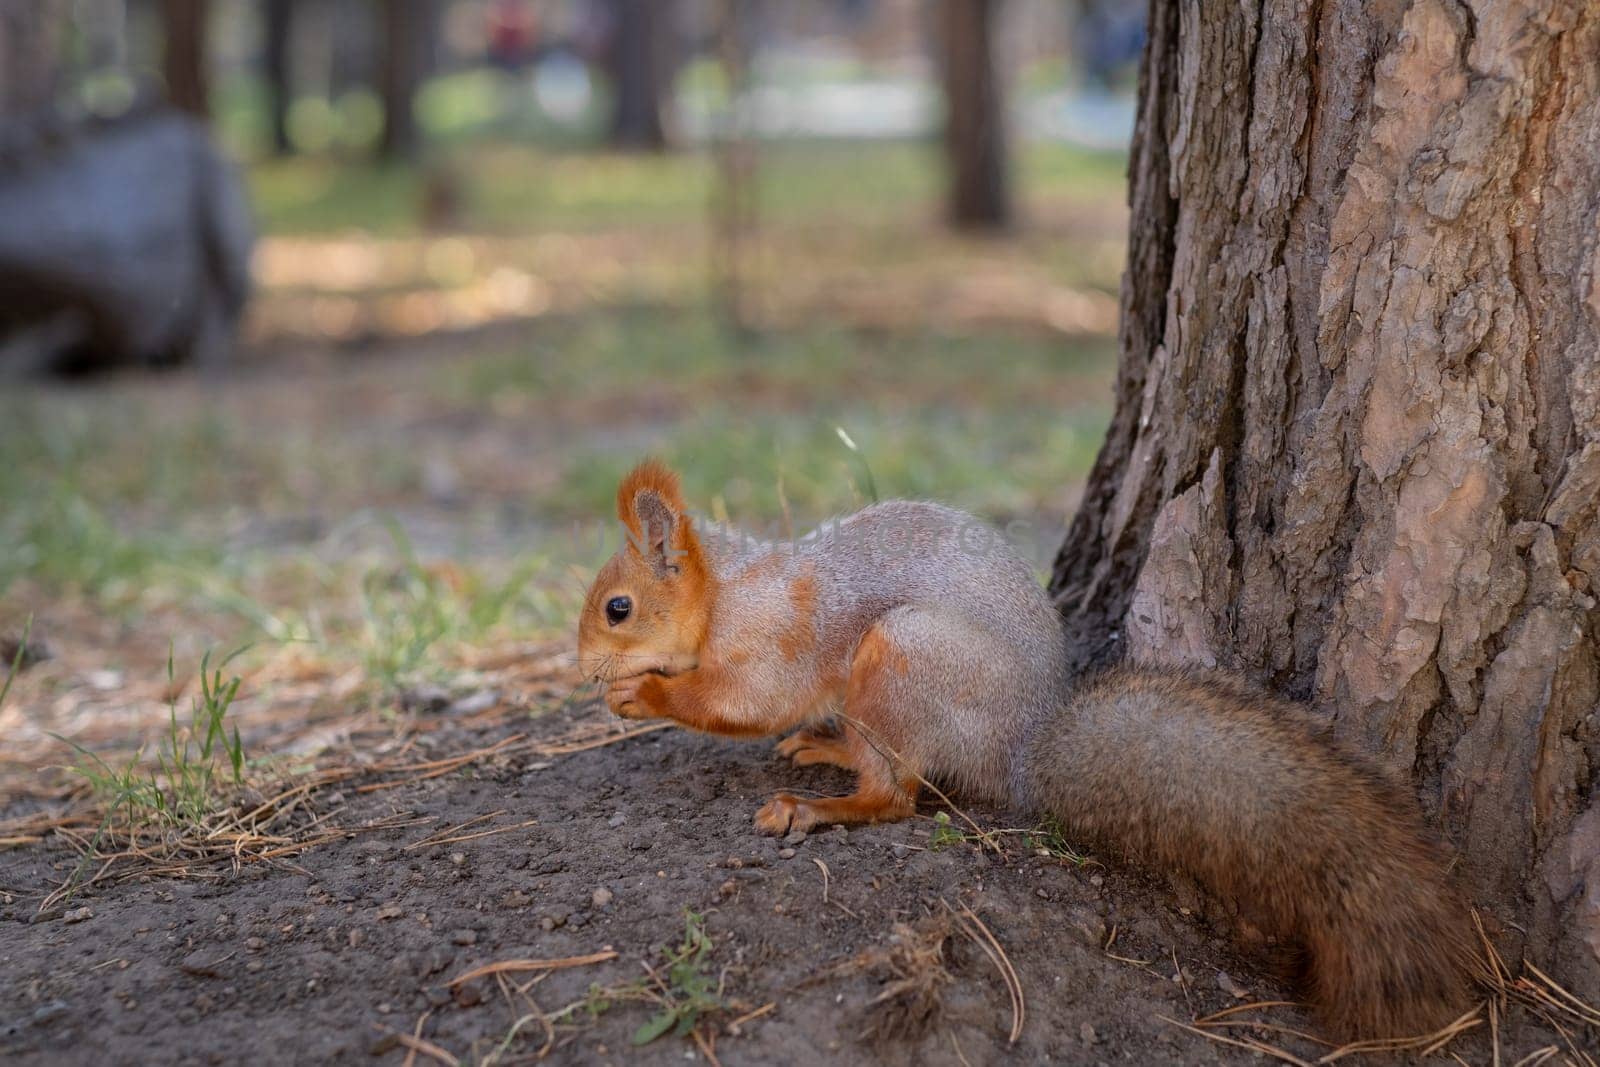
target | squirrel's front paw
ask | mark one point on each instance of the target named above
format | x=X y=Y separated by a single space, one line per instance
x=784 y=814
x=622 y=696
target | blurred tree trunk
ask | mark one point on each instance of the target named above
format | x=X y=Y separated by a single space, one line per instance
x=30 y=45
x=279 y=29
x=1356 y=449
x=734 y=205
x=407 y=31
x=183 y=61
x=641 y=72
x=975 y=115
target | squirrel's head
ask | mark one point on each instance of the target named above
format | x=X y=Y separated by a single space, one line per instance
x=650 y=606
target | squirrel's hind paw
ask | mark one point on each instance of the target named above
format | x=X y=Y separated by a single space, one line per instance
x=808 y=747
x=784 y=814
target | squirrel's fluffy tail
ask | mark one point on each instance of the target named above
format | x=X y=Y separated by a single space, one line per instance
x=1238 y=791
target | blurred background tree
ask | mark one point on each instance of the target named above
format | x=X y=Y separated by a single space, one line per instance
x=975 y=115
x=642 y=62
x=30 y=47
x=277 y=70
x=409 y=31
x=186 y=65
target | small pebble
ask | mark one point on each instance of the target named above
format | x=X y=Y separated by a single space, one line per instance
x=464 y=937
x=616 y=820
x=1086 y=1033
x=786 y=853
x=602 y=897
x=1226 y=983
x=482 y=700
x=458 y=858
x=795 y=837
x=77 y=915
x=254 y=944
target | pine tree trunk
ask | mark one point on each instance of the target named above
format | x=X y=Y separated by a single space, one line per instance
x=184 y=23
x=1356 y=450
x=975 y=115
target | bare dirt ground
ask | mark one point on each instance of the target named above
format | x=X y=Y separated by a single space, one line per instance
x=586 y=846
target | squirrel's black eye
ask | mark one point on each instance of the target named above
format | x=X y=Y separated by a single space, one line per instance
x=617 y=609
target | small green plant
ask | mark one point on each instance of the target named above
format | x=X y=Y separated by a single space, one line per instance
x=1050 y=838
x=16 y=661
x=946 y=833
x=188 y=781
x=681 y=986
x=687 y=988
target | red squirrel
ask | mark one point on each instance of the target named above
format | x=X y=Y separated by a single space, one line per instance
x=908 y=642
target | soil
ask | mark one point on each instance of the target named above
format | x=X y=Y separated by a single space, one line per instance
x=329 y=956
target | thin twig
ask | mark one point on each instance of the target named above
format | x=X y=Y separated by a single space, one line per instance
x=532 y=965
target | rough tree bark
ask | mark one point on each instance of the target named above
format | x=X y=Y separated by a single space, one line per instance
x=30 y=47
x=183 y=60
x=1356 y=451
x=975 y=115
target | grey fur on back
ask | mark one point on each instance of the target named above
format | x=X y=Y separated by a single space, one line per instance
x=939 y=582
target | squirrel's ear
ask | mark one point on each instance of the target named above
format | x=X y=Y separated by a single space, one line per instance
x=657 y=524
x=650 y=505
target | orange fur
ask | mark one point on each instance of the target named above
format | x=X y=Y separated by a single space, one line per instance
x=886 y=790
x=671 y=585
x=876 y=651
x=799 y=638
x=811 y=746
x=695 y=700
x=650 y=474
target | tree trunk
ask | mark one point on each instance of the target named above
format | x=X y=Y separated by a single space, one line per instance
x=184 y=54
x=734 y=205
x=975 y=115
x=1356 y=451
x=278 y=26
x=406 y=31
x=30 y=45
x=641 y=73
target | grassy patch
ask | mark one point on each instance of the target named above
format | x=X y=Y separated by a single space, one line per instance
x=197 y=764
x=522 y=187
x=997 y=423
x=410 y=610
x=764 y=471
